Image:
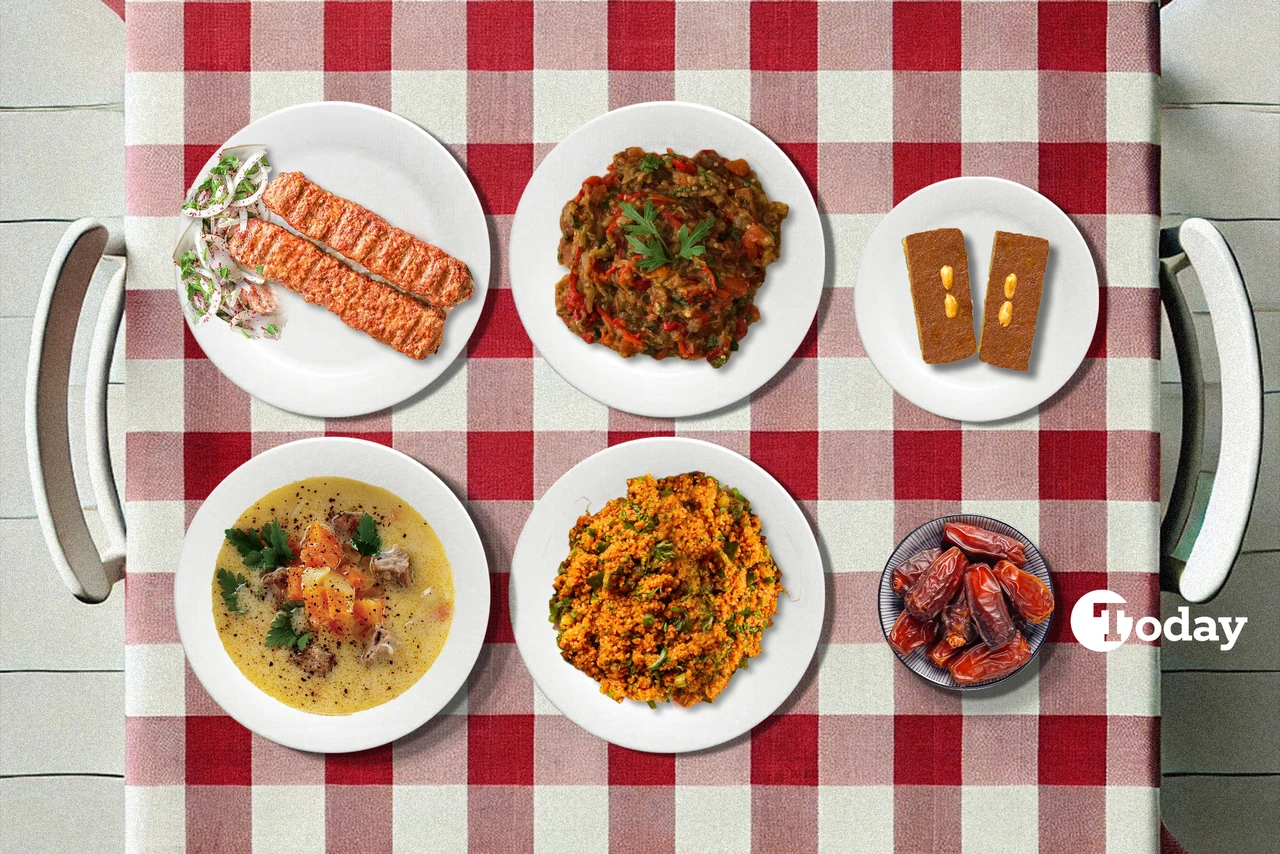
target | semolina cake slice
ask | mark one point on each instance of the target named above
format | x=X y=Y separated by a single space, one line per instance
x=1015 y=284
x=938 y=270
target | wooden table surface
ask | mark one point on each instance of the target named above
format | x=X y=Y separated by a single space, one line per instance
x=62 y=128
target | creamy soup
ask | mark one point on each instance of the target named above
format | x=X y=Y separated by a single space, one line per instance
x=364 y=587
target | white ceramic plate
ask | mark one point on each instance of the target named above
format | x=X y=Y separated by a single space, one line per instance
x=752 y=694
x=320 y=366
x=371 y=463
x=672 y=387
x=972 y=390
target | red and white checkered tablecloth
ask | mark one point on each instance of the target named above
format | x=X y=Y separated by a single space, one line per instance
x=872 y=100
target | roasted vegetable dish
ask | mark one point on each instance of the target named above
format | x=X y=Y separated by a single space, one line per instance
x=666 y=253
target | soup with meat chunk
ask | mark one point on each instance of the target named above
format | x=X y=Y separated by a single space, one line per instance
x=332 y=595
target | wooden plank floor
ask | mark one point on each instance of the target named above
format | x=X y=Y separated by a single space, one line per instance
x=61 y=705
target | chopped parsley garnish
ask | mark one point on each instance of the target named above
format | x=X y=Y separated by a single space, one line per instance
x=662 y=552
x=367 y=541
x=650 y=162
x=230 y=585
x=281 y=632
x=654 y=253
x=662 y=656
x=691 y=241
x=265 y=549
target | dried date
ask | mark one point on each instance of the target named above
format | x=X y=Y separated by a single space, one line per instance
x=909 y=571
x=909 y=634
x=937 y=586
x=980 y=541
x=980 y=663
x=986 y=601
x=1029 y=595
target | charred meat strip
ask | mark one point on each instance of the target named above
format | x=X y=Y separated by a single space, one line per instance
x=381 y=312
x=408 y=263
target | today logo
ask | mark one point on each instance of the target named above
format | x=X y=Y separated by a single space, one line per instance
x=1101 y=627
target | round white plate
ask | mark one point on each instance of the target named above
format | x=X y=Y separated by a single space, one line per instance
x=371 y=463
x=672 y=387
x=752 y=694
x=320 y=366
x=972 y=390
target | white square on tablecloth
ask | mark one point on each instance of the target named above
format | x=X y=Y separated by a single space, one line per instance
x=429 y=818
x=559 y=406
x=274 y=90
x=853 y=396
x=541 y=705
x=1133 y=679
x=156 y=530
x=846 y=237
x=434 y=100
x=288 y=819
x=855 y=819
x=1133 y=536
x=855 y=679
x=443 y=407
x=154 y=680
x=1133 y=820
x=151 y=395
x=855 y=106
x=571 y=818
x=858 y=534
x=564 y=101
x=713 y=818
x=1017 y=695
x=157 y=107
x=155 y=818
x=1130 y=118
x=1000 y=819
x=725 y=89
x=151 y=240
x=999 y=106
x=1133 y=387
x=1132 y=245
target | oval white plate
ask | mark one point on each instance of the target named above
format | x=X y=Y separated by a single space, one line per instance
x=972 y=390
x=320 y=366
x=371 y=463
x=752 y=694
x=670 y=388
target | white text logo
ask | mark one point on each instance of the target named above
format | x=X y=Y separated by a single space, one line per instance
x=1101 y=626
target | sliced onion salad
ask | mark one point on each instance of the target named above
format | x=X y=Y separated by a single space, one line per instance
x=218 y=286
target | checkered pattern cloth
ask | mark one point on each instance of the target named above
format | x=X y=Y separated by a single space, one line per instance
x=872 y=100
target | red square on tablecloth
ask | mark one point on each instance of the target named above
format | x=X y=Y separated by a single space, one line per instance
x=1068 y=587
x=633 y=768
x=791 y=457
x=207 y=458
x=784 y=751
x=500 y=750
x=357 y=36
x=1073 y=464
x=499 y=630
x=219 y=752
x=642 y=35
x=1073 y=750
x=926 y=464
x=500 y=334
x=364 y=768
x=500 y=466
x=500 y=36
x=784 y=36
x=1073 y=175
x=215 y=36
x=927 y=750
x=617 y=437
x=926 y=36
x=194 y=157
x=499 y=170
x=1073 y=36
x=805 y=156
x=919 y=164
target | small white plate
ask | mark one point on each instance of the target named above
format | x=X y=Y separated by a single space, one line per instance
x=672 y=387
x=972 y=390
x=320 y=366
x=752 y=694
x=374 y=464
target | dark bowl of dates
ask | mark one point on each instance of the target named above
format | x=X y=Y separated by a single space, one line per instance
x=966 y=601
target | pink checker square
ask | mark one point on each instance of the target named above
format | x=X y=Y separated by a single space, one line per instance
x=1000 y=750
x=908 y=416
x=1130 y=311
x=642 y=819
x=217 y=105
x=444 y=452
x=855 y=177
x=435 y=754
x=274 y=765
x=857 y=750
x=837 y=329
x=1013 y=161
x=156 y=330
x=635 y=87
x=855 y=36
x=1133 y=465
x=154 y=751
x=555 y=452
x=570 y=36
x=556 y=738
x=1133 y=42
x=1073 y=535
x=153 y=465
x=265 y=441
x=728 y=761
x=500 y=818
x=1001 y=465
x=1081 y=404
x=149 y=600
x=1141 y=591
x=428 y=36
x=915 y=696
x=212 y=402
x=700 y=35
x=224 y=813
x=909 y=515
x=926 y=106
x=500 y=523
x=998 y=36
x=358 y=818
x=855 y=464
x=197 y=700
x=1133 y=178
x=1072 y=820
x=784 y=818
x=926 y=819
x=500 y=684
x=288 y=36
x=789 y=401
x=500 y=394
x=154 y=37
x=499 y=106
x=1072 y=679
x=1133 y=751
x=363 y=87
x=1073 y=107
x=785 y=104
x=153 y=179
